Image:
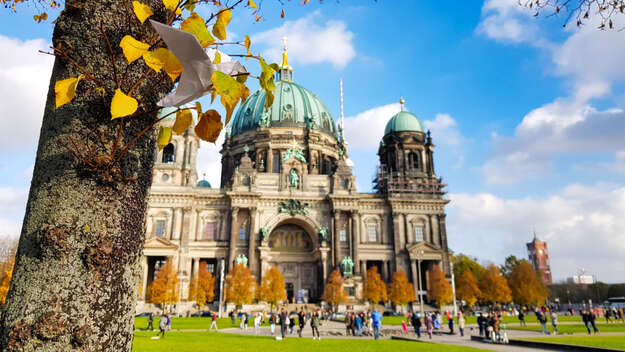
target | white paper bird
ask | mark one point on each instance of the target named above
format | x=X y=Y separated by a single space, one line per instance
x=197 y=66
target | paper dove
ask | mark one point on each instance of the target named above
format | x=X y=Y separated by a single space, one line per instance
x=197 y=66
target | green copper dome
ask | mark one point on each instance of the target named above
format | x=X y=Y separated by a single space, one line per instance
x=293 y=106
x=204 y=184
x=403 y=121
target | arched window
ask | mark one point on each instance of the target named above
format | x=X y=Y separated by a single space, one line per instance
x=415 y=160
x=168 y=154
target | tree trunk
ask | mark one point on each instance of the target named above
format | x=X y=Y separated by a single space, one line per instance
x=77 y=267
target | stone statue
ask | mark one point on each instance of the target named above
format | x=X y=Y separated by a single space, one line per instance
x=264 y=232
x=323 y=233
x=240 y=259
x=347 y=265
x=294 y=179
x=264 y=118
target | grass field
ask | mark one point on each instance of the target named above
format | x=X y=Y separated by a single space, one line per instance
x=573 y=328
x=201 y=341
x=194 y=323
x=616 y=342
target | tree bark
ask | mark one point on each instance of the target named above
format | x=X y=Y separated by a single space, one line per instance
x=77 y=266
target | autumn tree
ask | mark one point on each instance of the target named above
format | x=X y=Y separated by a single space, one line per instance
x=463 y=262
x=8 y=247
x=494 y=287
x=374 y=289
x=467 y=288
x=240 y=285
x=202 y=287
x=164 y=290
x=509 y=265
x=273 y=288
x=440 y=289
x=83 y=231
x=526 y=285
x=400 y=291
x=334 y=292
x=5 y=282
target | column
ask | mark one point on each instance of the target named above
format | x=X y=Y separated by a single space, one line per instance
x=424 y=161
x=385 y=265
x=252 y=243
x=443 y=233
x=148 y=226
x=356 y=241
x=415 y=277
x=435 y=234
x=396 y=236
x=234 y=232
x=144 y=279
x=337 y=239
x=269 y=162
x=223 y=227
x=363 y=266
x=176 y=234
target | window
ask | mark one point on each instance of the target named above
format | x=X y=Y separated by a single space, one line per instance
x=276 y=162
x=209 y=231
x=372 y=232
x=343 y=235
x=168 y=154
x=242 y=233
x=210 y=267
x=418 y=234
x=159 y=228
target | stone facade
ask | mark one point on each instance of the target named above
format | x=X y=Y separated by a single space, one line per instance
x=288 y=199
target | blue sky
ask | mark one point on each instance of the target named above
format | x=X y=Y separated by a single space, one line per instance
x=527 y=116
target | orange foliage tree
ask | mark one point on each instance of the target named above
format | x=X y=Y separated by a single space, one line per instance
x=494 y=286
x=202 y=288
x=6 y=267
x=240 y=285
x=375 y=289
x=526 y=286
x=400 y=291
x=440 y=289
x=467 y=289
x=273 y=288
x=334 y=292
x=164 y=289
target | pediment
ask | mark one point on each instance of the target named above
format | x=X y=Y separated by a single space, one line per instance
x=424 y=251
x=159 y=243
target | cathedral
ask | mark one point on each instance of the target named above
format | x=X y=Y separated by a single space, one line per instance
x=288 y=199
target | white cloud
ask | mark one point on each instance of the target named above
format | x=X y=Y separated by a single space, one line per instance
x=445 y=129
x=310 y=42
x=583 y=226
x=12 y=206
x=506 y=21
x=25 y=76
x=365 y=130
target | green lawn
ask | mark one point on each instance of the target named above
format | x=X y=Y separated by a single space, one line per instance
x=573 y=328
x=617 y=342
x=202 y=341
x=192 y=323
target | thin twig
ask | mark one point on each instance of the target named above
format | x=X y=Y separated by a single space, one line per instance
x=142 y=133
x=119 y=137
x=112 y=55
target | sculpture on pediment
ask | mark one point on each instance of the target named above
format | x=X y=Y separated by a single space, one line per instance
x=347 y=266
x=293 y=207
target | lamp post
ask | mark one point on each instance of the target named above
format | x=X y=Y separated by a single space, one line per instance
x=453 y=286
x=221 y=287
x=419 y=255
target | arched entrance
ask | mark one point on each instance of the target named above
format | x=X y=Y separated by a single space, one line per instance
x=292 y=250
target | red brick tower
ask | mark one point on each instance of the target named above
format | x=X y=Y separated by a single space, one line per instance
x=538 y=256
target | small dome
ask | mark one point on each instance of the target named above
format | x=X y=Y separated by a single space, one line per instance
x=203 y=184
x=403 y=121
x=293 y=106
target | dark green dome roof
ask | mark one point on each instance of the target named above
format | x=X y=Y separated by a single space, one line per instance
x=403 y=121
x=293 y=106
x=204 y=184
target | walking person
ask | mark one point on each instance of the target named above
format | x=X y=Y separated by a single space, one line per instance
x=272 y=323
x=415 y=321
x=450 y=323
x=301 y=320
x=554 y=321
x=162 y=325
x=283 y=323
x=592 y=317
x=377 y=323
x=429 y=325
x=214 y=322
x=314 y=324
x=369 y=323
x=522 y=318
x=291 y=324
x=257 y=320
x=150 y=321
x=358 y=322
x=348 y=323
x=540 y=316
x=586 y=320
x=461 y=323
x=480 y=324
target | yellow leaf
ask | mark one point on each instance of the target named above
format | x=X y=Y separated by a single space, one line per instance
x=142 y=11
x=195 y=25
x=217 y=58
x=190 y=5
x=162 y=58
x=282 y=14
x=266 y=81
x=198 y=108
x=184 y=119
x=65 y=90
x=170 y=4
x=230 y=90
x=252 y=4
x=122 y=105
x=133 y=49
x=248 y=42
x=219 y=28
x=209 y=126
x=164 y=137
